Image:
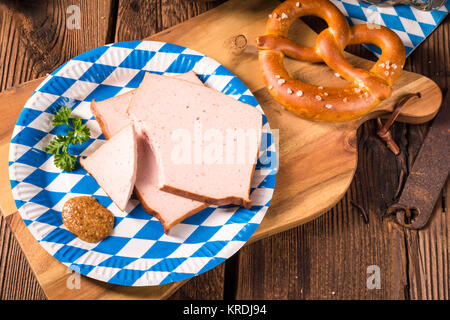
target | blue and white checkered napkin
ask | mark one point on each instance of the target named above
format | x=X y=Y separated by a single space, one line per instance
x=411 y=25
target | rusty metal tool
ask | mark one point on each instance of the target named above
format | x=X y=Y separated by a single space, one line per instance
x=428 y=175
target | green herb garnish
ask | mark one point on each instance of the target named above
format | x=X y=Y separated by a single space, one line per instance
x=78 y=133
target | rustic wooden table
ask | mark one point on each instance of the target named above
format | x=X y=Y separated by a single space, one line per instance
x=327 y=258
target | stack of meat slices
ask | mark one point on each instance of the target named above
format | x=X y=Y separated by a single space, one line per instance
x=180 y=145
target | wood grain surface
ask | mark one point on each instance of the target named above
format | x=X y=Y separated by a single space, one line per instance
x=326 y=258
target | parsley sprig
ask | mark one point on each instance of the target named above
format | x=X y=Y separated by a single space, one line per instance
x=78 y=133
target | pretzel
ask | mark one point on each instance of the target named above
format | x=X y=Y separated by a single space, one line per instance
x=330 y=104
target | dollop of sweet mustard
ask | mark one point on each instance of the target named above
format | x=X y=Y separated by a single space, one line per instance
x=87 y=219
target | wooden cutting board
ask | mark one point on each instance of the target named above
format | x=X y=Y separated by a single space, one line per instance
x=317 y=160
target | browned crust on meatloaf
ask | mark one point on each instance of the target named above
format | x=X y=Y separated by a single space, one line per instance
x=166 y=225
x=219 y=202
x=99 y=118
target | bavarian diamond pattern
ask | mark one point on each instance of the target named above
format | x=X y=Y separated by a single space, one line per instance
x=138 y=252
x=411 y=25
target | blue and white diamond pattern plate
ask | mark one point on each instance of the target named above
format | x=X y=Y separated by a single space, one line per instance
x=138 y=253
x=411 y=24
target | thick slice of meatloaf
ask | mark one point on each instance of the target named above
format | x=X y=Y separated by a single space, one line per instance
x=168 y=208
x=113 y=165
x=206 y=143
x=111 y=113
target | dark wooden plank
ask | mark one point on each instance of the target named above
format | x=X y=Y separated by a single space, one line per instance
x=328 y=258
x=34 y=41
x=206 y=286
x=138 y=19
x=428 y=255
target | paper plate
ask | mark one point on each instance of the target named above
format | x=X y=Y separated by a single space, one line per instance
x=138 y=253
